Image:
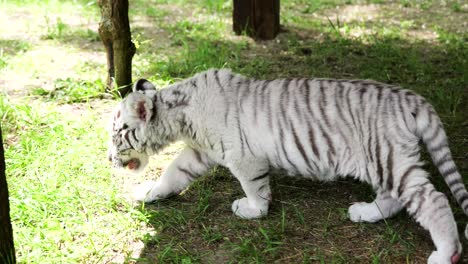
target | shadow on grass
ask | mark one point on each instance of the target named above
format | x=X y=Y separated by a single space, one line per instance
x=308 y=220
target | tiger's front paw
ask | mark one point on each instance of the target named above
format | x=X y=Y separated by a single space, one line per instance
x=438 y=258
x=243 y=209
x=364 y=212
x=146 y=192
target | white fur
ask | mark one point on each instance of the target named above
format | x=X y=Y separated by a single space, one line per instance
x=321 y=129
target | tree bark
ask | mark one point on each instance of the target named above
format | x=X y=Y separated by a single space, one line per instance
x=7 y=248
x=114 y=29
x=258 y=18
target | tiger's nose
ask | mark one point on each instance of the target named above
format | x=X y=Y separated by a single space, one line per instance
x=109 y=156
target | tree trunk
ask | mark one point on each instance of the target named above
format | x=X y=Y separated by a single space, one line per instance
x=258 y=18
x=114 y=30
x=7 y=248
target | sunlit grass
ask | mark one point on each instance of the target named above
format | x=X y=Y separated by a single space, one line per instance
x=64 y=204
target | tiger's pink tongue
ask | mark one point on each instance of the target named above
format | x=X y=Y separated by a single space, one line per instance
x=455 y=258
x=133 y=164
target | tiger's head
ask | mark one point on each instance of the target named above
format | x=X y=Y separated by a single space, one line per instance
x=129 y=130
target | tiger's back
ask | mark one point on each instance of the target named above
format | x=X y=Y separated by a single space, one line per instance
x=317 y=127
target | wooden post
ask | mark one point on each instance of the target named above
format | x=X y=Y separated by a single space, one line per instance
x=114 y=30
x=7 y=247
x=258 y=18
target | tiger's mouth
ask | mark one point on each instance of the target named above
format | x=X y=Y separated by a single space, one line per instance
x=133 y=164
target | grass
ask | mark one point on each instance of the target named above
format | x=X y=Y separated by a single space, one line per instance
x=67 y=205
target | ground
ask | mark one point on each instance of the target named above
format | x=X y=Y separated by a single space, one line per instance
x=69 y=207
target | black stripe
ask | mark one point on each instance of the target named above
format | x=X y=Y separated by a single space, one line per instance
x=362 y=90
x=269 y=110
x=373 y=132
x=244 y=93
x=262 y=187
x=463 y=198
x=241 y=139
x=310 y=129
x=329 y=141
x=450 y=171
x=297 y=112
x=197 y=156
x=300 y=146
x=222 y=149
x=438 y=147
x=369 y=141
x=307 y=95
x=128 y=139
x=431 y=192
x=439 y=196
x=312 y=142
x=390 y=167
x=416 y=109
x=218 y=82
x=228 y=103
x=348 y=103
x=284 y=98
x=323 y=105
x=193 y=83
x=379 y=164
x=188 y=173
x=134 y=135
x=260 y=177
x=402 y=110
x=262 y=92
x=410 y=200
x=228 y=107
x=402 y=184
x=441 y=161
x=247 y=143
x=458 y=189
x=419 y=201
x=339 y=103
x=285 y=153
x=454 y=181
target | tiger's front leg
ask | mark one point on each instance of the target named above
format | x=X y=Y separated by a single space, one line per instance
x=255 y=181
x=185 y=168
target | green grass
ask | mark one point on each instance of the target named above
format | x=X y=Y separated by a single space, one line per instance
x=58 y=213
x=67 y=205
x=72 y=90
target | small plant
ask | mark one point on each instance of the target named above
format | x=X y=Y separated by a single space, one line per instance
x=456 y=7
x=72 y=91
x=55 y=31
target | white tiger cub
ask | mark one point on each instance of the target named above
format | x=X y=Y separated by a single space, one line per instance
x=319 y=128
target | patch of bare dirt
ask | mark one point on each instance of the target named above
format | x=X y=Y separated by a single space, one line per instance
x=45 y=60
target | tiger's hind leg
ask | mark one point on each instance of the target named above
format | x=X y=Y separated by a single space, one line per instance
x=382 y=207
x=431 y=209
x=253 y=176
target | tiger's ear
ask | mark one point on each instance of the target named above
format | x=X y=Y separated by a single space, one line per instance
x=140 y=107
x=143 y=85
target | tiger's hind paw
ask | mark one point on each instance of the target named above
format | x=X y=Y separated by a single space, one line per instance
x=243 y=209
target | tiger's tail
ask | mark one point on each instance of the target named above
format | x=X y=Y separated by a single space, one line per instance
x=430 y=128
